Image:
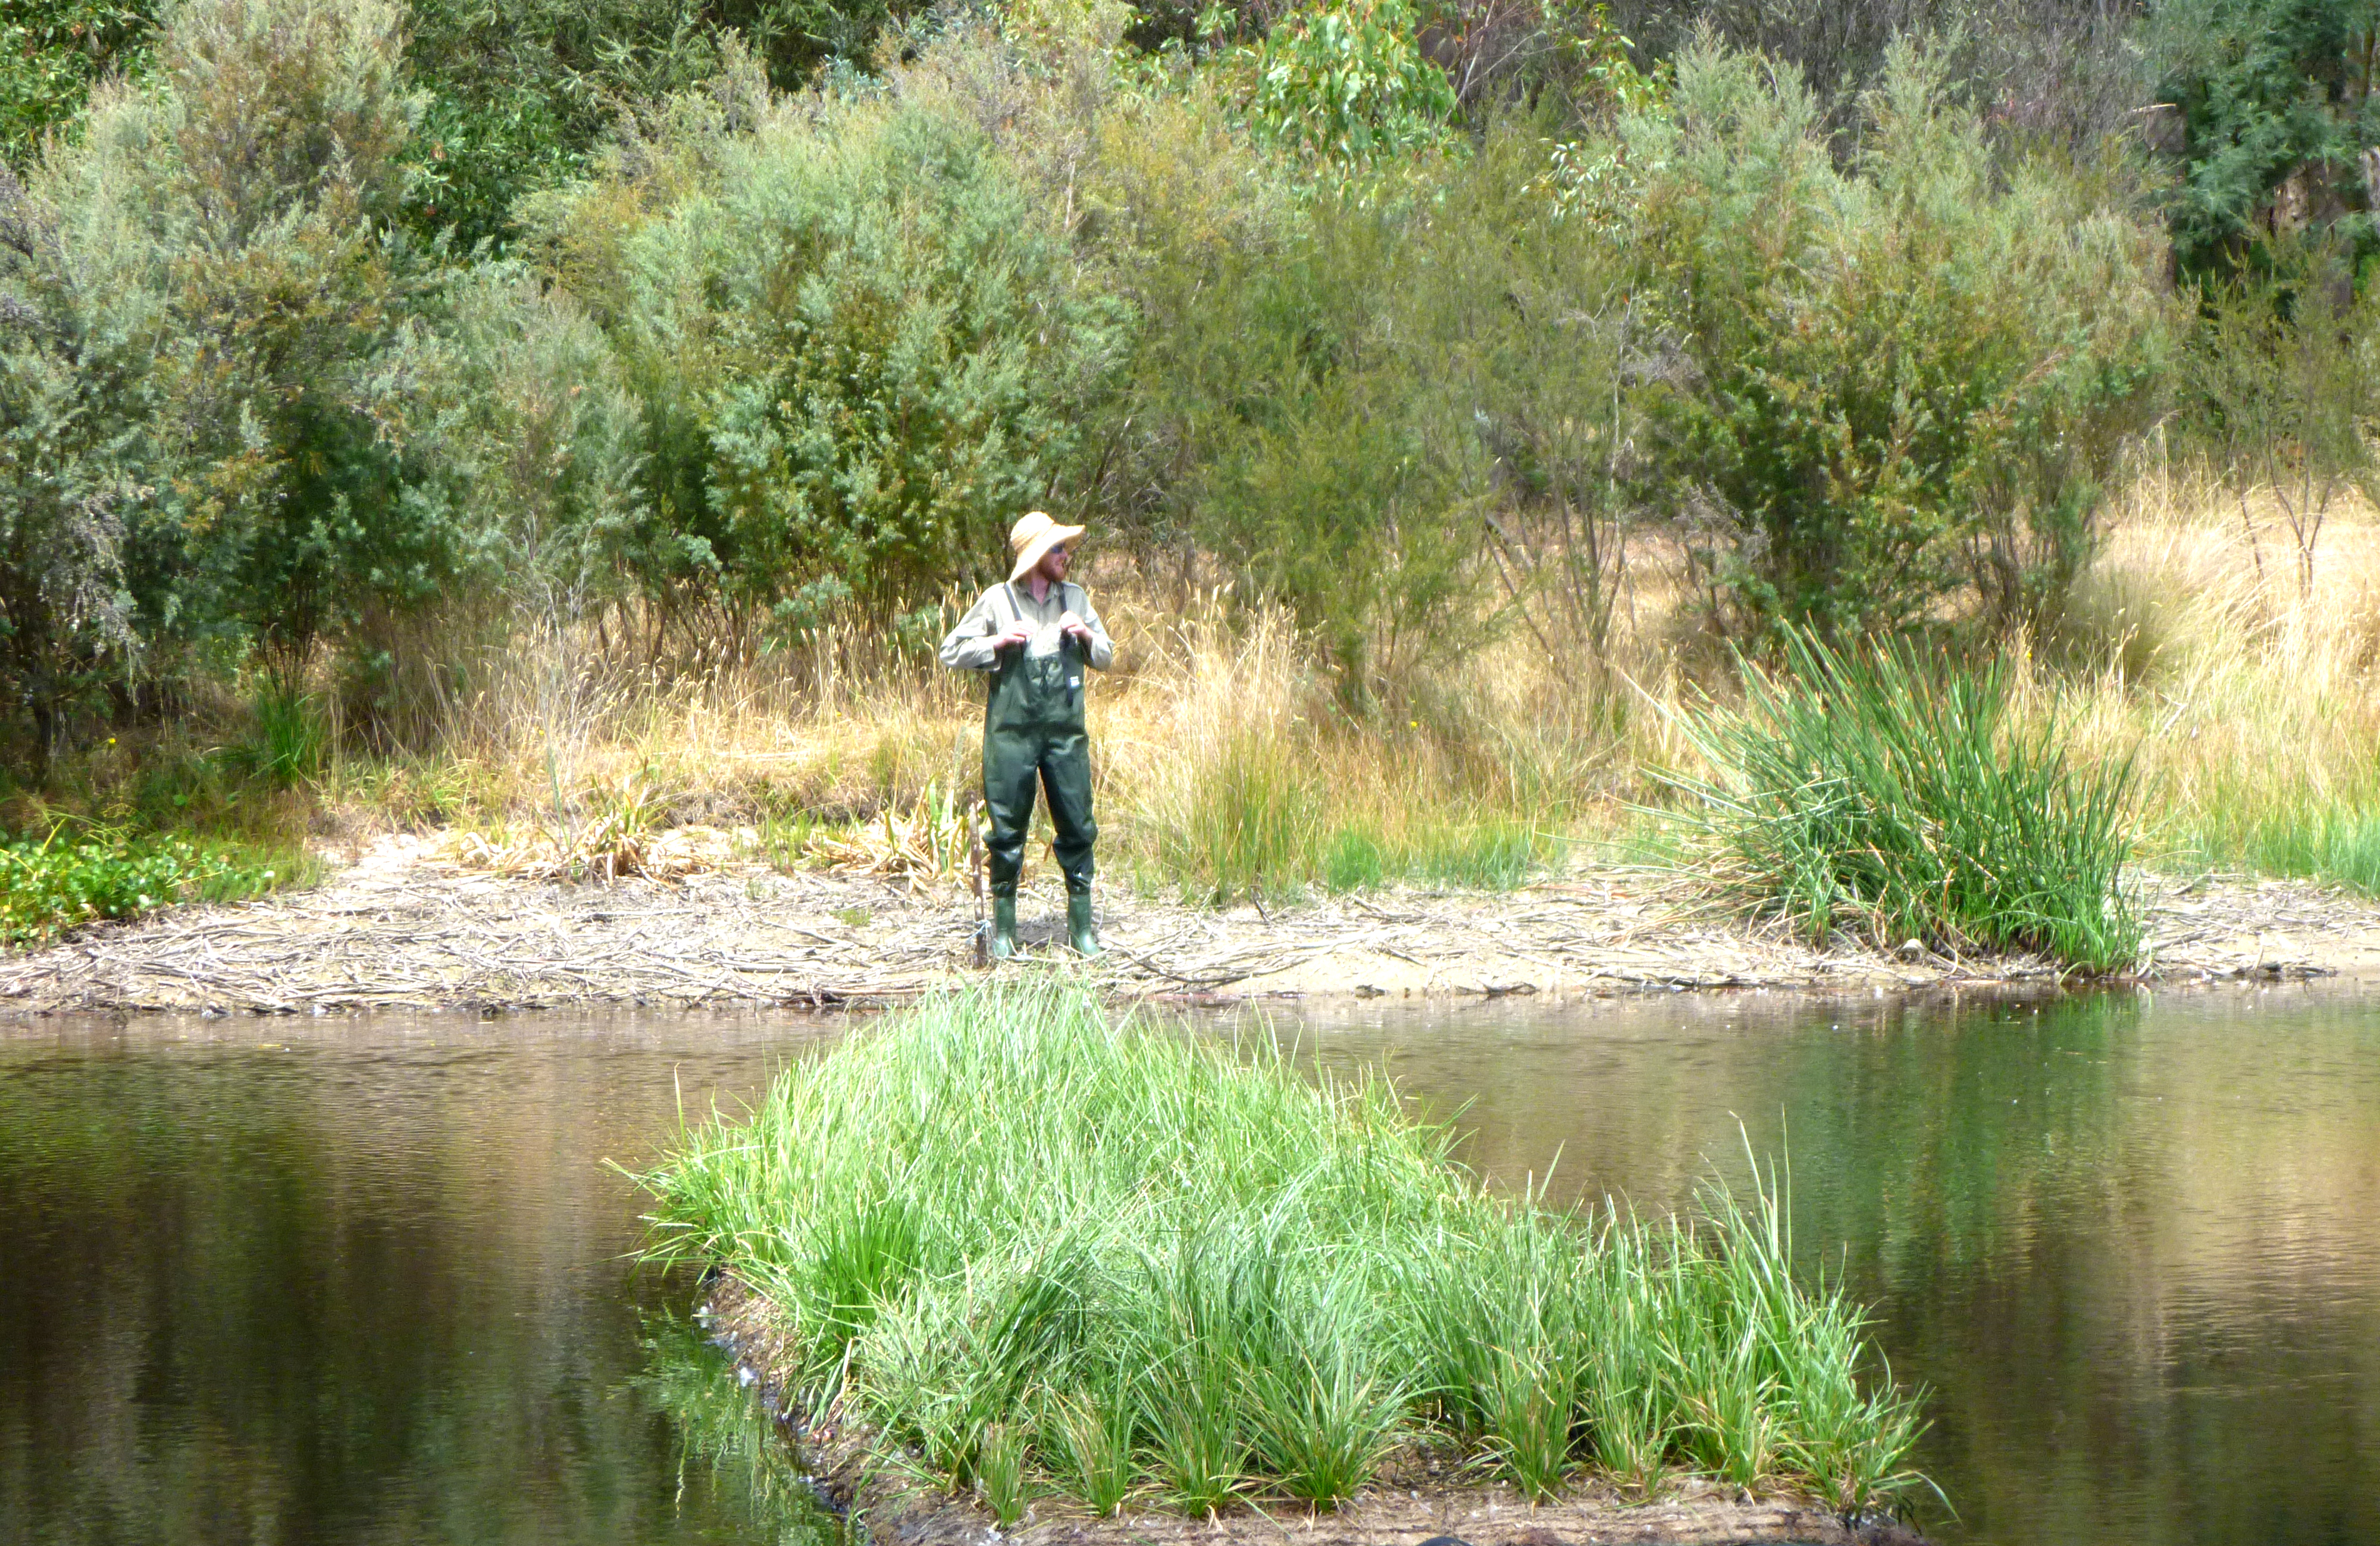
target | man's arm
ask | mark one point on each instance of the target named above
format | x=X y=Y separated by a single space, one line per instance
x=974 y=645
x=1102 y=649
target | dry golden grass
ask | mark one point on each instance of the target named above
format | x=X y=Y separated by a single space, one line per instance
x=2249 y=701
x=1210 y=703
x=2249 y=704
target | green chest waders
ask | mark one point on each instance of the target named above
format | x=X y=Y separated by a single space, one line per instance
x=1033 y=730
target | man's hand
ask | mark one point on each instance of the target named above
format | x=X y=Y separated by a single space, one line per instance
x=1073 y=628
x=1017 y=634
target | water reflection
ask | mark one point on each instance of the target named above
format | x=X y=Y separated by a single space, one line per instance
x=2132 y=1244
x=266 y=1282
x=355 y=1281
x=728 y=1439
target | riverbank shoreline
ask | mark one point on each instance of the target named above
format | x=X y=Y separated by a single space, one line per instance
x=406 y=924
x=844 y=1461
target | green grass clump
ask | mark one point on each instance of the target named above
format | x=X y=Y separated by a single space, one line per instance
x=1250 y=827
x=1483 y=854
x=288 y=741
x=60 y=881
x=1874 y=792
x=1262 y=823
x=1042 y=1252
x=2302 y=839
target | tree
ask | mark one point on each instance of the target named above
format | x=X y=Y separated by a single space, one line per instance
x=1895 y=387
x=2281 y=130
x=861 y=345
x=63 y=619
x=2284 y=386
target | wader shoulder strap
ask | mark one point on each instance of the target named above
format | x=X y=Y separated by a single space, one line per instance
x=1016 y=611
x=1016 y=608
x=998 y=665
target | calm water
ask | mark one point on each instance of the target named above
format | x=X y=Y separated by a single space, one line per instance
x=362 y=1280
x=281 y=1282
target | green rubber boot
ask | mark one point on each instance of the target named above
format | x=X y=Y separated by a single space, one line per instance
x=1003 y=928
x=1079 y=933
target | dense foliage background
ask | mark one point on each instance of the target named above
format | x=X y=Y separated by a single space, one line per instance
x=340 y=341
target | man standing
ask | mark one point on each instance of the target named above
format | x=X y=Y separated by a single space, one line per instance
x=1034 y=635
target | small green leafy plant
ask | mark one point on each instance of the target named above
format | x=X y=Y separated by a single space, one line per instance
x=51 y=884
x=1350 y=81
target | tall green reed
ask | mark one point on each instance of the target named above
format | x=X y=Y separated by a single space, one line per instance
x=2337 y=841
x=1040 y=1248
x=1250 y=824
x=1091 y=1432
x=1322 y=1416
x=1000 y=1471
x=1876 y=791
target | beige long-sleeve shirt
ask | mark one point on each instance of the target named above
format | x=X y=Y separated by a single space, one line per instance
x=969 y=647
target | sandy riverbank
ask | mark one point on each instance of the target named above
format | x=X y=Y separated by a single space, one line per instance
x=408 y=925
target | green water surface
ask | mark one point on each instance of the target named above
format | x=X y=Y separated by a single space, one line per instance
x=269 y=1282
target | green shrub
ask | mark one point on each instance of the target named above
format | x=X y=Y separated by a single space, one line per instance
x=540 y=446
x=862 y=348
x=1886 y=795
x=1337 y=508
x=52 y=52
x=2275 y=103
x=1370 y=414
x=1524 y=345
x=1458 y=848
x=267 y=420
x=1120 y=1237
x=1896 y=386
x=221 y=252
x=518 y=97
x=65 y=483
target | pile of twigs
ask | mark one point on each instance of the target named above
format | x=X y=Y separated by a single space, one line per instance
x=409 y=928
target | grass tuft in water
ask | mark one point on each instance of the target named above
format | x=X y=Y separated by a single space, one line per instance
x=1000 y=1469
x=1001 y=1225
x=1091 y=1434
x=1876 y=792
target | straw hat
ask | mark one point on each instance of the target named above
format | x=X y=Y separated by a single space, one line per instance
x=1035 y=535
